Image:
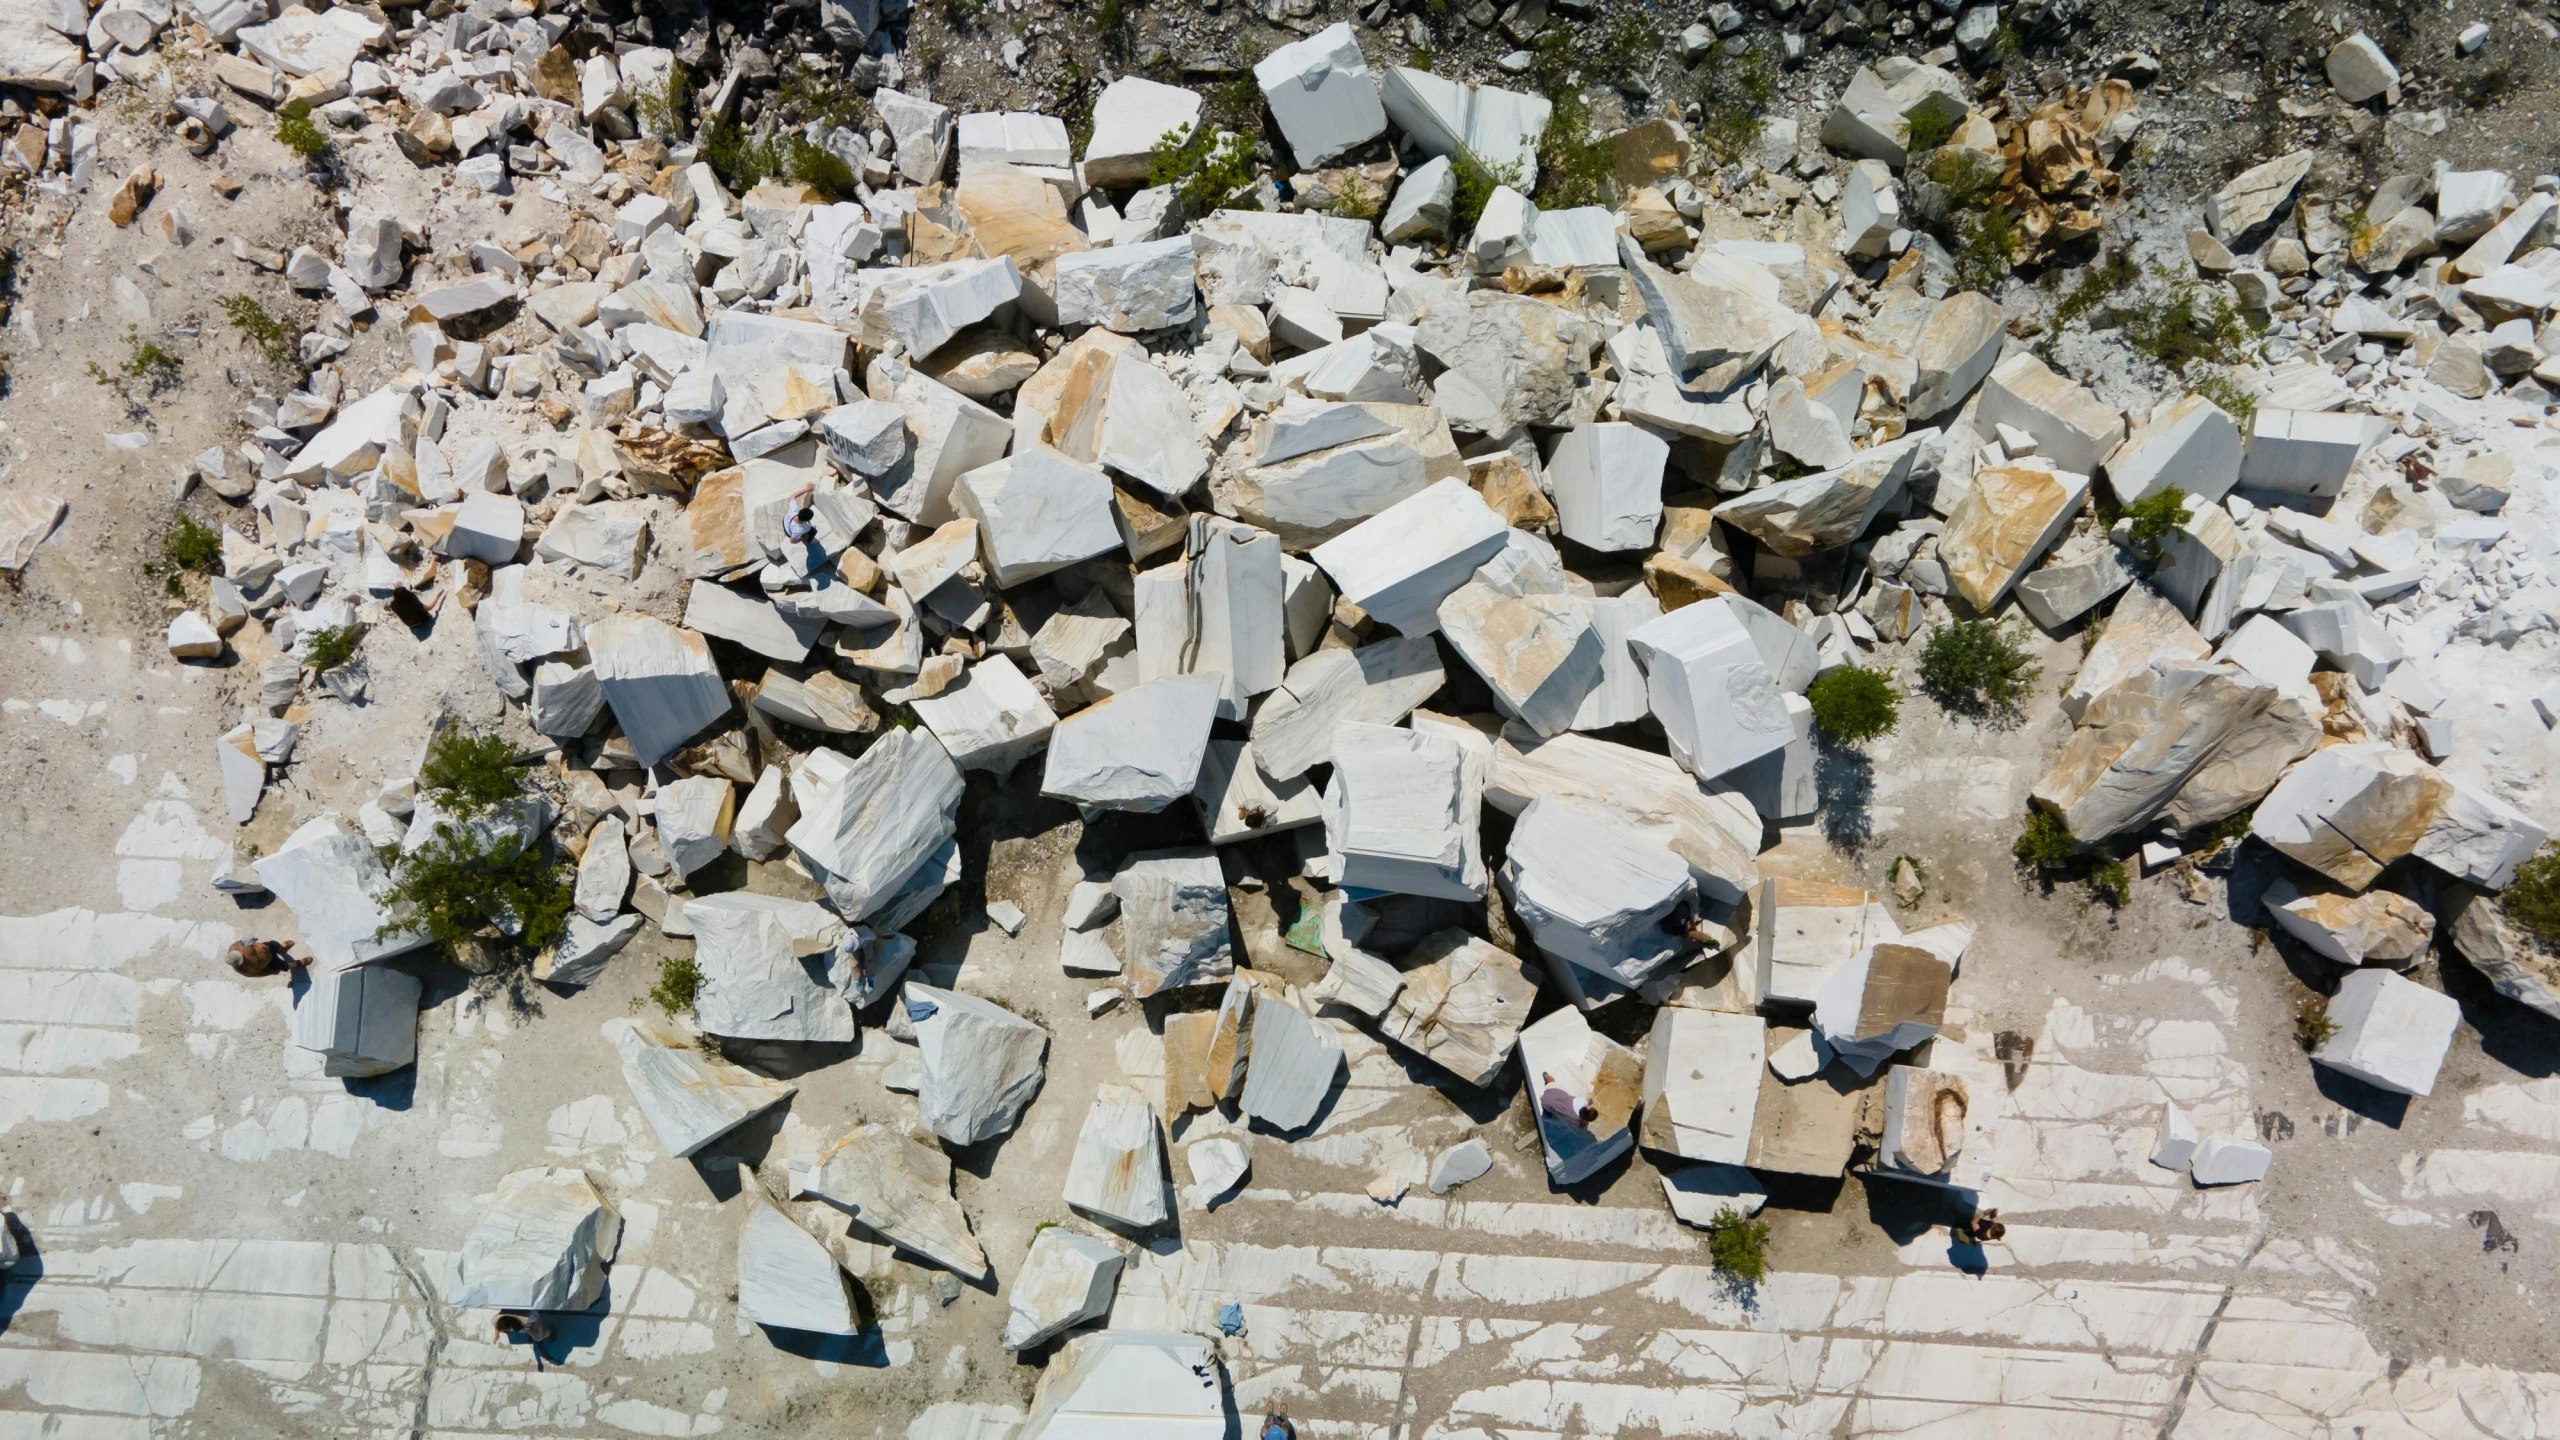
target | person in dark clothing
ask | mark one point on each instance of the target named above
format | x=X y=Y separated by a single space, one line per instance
x=258 y=959
x=1981 y=1228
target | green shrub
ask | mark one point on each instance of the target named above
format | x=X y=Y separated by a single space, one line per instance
x=1976 y=666
x=458 y=885
x=466 y=772
x=2532 y=899
x=679 y=980
x=2222 y=390
x=2312 y=1026
x=2155 y=517
x=332 y=648
x=1206 y=167
x=1739 y=1246
x=662 y=110
x=2047 y=843
x=1854 y=705
x=1476 y=183
x=2097 y=284
x=1987 y=249
x=2111 y=884
x=1575 y=166
x=1934 y=126
x=1360 y=200
x=1735 y=88
x=2230 y=827
x=2189 y=328
x=298 y=134
x=190 y=546
x=264 y=332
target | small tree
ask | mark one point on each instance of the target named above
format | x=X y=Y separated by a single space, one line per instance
x=466 y=772
x=2155 y=517
x=1739 y=1246
x=2047 y=843
x=1974 y=666
x=1854 y=705
x=679 y=980
x=461 y=884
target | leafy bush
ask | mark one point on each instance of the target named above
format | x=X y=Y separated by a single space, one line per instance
x=1206 y=167
x=459 y=884
x=663 y=109
x=332 y=648
x=2155 y=517
x=298 y=134
x=1987 y=250
x=1360 y=200
x=1735 y=88
x=467 y=772
x=2532 y=899
x=1476 y=183
x=1975 y=666
x=2047 y=843
x=190 y=546
x=1739 y=1246
x=2111 y=884
x=2222 y=390
x=264 y=332
x=679 y=980
x=1934 y=126
x=1854 y=705
x=2189 y=328
x=2097 y=284
x=1575 y=165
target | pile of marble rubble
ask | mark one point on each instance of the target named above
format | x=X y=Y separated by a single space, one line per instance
x=1343 y=531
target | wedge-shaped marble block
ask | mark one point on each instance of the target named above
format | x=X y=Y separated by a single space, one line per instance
x=690 y=1098
x=542 y=1243
x=787 y=1278
x=1117 y=1171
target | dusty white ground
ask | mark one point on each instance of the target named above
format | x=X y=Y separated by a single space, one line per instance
x=228 y=1244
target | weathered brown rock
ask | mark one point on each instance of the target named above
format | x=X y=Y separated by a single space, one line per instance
x=2144 y=743
x=2006 y=521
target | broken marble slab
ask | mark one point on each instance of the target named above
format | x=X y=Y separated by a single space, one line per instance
x=1498 y=129
x=2144 y=628
x=751 y=622
x=1353 y=977
x=693 y=821
x=1139 y=750
x=1607 y=482
x=1161 y=1385
x=579 y=958
x=1400 y=564
x=1924 y=1121
x=869 y=832
x=899 y=1188
x=565 y=700
x=1537 y=653
x=1807 y=1126
x=1784 y=785
x=690 y=1097
x=1038 y=511
x=1595 y=895
x=541 y=1243
x=1376 y=684
x=1468 y=1160
x=764 y=816
x=825 y=702
x=1066 y=1280
x=1131 y=117
x=2176 y=1147
x=2189 y=444
x=1886 y=999
x=2072 y=428
x=1217 y=611
x=993 y=719
x=1218 y=1164
x=1401 y=813
x=1806 y=930
x=1708 y=825
x=2191 y=744
x=1708 y=683
x=335 y=884
x=2079 y=578
x=1619 y=698
x=244 y=771
x=2352 y=930
x=2305 y=452
x=1173 y=920
x=787 y=1278
x=361 y=1019
x=2005 y=521
x=661 y=682
x=2391 y=1032
x=1462 y=1004
x=1702 y=1083
x=980 y=1064
x=1236 y=802
x=764 y=962
x=2347 y=811
x=1321 y=92
x=2220 y=1160
x=1117 y=1172
x=1585 y=1087
x=1296 y=1058
x=1317 y=468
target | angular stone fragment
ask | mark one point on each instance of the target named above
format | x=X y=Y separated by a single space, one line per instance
x=1296 y=1059
x=690 y=1098
x=2350 y=810
x=1376 y=684
x=1320 y=91
x=1607 y=482
x=899 y=1188
x=980 y=1064
x=1423 y=203
x=1702 y=1083
x=693 y=820
x=2359 y=69
x=1173 y=920
x=1711 y=688
x=363 y=1020
x=1139 y=750
x=765 y=969
x=335 y=885
x=2223 y=1161
x=1129 y=289
x=2007 y=519
x=1130 y=117
x=2251 y=200
x=2193 y=744
x=1320 y=468
x=661 y=682
x=1538 y=653
x=1958 y=347
x=2071 y=427
x=542 y=1243
x=1399 y=565
x=2304 y=452
x=1117 y=1171
x=870 y=831
x=1037 y=512
x=1131 y=1383
x=787 y=1278
x=2392 y=1032
x=2189 y=443
x=1711 y=828
x=604 y=871
x=2352 y=929
x=1066 y=1280
x=1888 y=998
x=1497 y=128
x=1461 y=1005
x=1876 y=113
x=1237 y=802
x=1586 y=1088
x=2078 y=579
x=1925 y=1114
x=1401 y=813
x=1824 y=511
x=825 y=702
x=1595 y=895
x=1713 y=336
x=993 y=719
x=2144 y=629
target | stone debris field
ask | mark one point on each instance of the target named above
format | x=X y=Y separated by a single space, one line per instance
x=1734 y=724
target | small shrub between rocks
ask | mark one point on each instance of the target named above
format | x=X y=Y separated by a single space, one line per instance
x=457 y=886
x=2224 y=391
x=2110 y=884
x=190 y=546
x=2154 y=518
x=1735 y=88
x=264 y=332
x=2312 y=1026
x=332 y=648
x=1207 y=167
x=467 y=772
x=1853 y=705
x=295 y=128
x=679 y=980
x=2532 y=900
x=1739 y=1246
x=2046 y=843
x=1974 y=666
